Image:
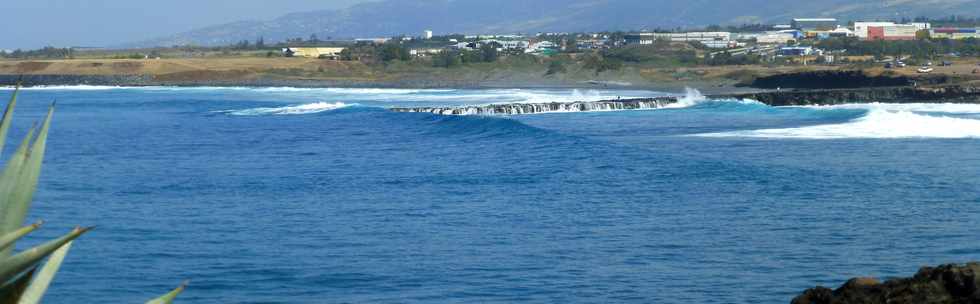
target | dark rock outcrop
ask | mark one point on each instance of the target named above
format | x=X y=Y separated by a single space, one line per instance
x=944 y=94
x=69 y=80
x=846 y=79
x=944 y=284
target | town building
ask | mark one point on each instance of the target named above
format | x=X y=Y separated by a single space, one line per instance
x=892 y=32
x=372 y=40
x=811 y=24
x=422 y=52
x=427 y=34
x=313 y=52
x=709 y=39
x=861 y=28
x=769 y=37
x=508 y=44
x=796 y=51
x=954 y=33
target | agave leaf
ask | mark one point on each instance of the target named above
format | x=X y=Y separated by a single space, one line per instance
x=11 y=292
x=9 y=180
x=10 y=267
x=7 y=114
x=22 y=192
x=43 y=279
x=8 y=240
x=169 y=297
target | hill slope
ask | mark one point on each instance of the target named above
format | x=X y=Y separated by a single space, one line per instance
x=396 y=17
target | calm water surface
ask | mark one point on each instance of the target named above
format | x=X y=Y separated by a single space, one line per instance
x=284 y=195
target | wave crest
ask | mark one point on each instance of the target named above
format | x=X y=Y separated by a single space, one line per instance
x=309 y=108
x=877 y=123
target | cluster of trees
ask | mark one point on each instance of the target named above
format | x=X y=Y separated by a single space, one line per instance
x=46 y=52
x=375 y=53
x=951 y=21
x=725 y=58
x=248 y=45
x=923 y=48
x=450 y=58
x=660 y=52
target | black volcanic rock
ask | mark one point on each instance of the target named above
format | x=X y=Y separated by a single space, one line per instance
x=952 y=284
x=907 y=94
x=844 y=79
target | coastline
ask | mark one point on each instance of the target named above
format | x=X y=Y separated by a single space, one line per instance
x=781 y=86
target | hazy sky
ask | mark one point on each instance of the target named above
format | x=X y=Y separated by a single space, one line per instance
x=37 y=23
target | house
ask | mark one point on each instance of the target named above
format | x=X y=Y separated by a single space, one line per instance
x=313 y=52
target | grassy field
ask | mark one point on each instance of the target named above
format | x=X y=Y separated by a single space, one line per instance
x=514 y=72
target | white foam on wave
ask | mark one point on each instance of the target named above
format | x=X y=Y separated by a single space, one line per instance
x=692 y=97
x=884 y=121
x=309 y=108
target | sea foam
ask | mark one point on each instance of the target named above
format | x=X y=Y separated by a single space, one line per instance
x=882 y=121
x=309 y=108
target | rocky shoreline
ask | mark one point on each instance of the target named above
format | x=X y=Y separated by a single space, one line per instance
x=839 y=91
x=943 y=284
x=935 y=94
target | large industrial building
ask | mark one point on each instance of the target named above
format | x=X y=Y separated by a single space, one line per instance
x=955 y=33
x=709 y=39
x=892 y=32
x=313 y=52
x=888 y=30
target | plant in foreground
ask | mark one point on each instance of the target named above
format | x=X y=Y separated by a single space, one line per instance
x=23 y=280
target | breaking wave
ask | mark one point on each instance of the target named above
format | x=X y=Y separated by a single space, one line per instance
x=882 y=122
x=309 y=108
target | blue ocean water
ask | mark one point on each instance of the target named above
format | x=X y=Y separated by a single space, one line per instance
x=281 y=195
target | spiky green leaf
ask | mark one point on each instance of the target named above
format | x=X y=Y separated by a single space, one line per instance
x=12 y=266
x=12 y=291
x=9 y=180
x=170 y=296
x=8 y=240
x=21 y=192
x=7 y=114
x=43 y=279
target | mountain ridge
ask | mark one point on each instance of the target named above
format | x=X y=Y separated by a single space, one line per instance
x=411 y=17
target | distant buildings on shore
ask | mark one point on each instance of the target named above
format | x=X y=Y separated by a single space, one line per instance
x=775 y=40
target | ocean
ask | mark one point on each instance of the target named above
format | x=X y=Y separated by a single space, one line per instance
x=289 y=195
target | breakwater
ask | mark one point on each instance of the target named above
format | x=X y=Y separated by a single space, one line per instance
x=549 y=107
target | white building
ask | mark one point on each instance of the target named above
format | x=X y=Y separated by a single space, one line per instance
x=509 y=44
x=921 y=26
x=650 y=38
x=427 y=34
x=861 y=28
x=774 y=38
x=425 y=52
